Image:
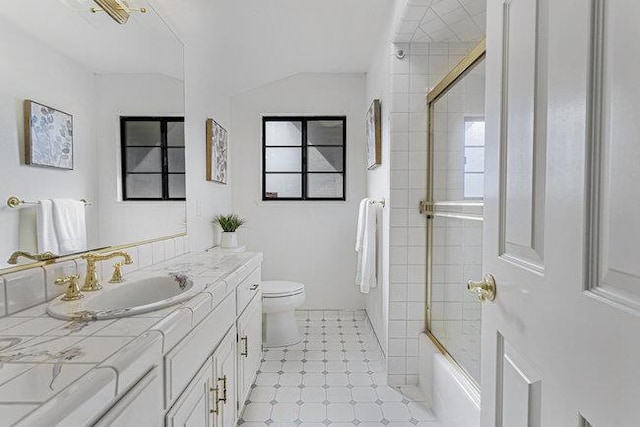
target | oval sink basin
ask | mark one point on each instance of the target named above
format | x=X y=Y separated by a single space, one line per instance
x=129 y=298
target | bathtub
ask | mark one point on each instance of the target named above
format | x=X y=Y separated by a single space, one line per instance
x=454 y=401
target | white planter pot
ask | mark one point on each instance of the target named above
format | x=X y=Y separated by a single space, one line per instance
x=229 y=240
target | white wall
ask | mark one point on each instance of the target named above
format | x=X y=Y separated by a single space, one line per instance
x=205 y=97
x=31 y=70
x=309 y=242
x=132 y=95
x=378 y=86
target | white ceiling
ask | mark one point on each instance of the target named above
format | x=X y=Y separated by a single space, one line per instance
x=442 y=21
x=143 y=45
x=260 y=41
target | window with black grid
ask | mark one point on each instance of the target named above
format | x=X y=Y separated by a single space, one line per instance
x=152 y=158
x=304 y=158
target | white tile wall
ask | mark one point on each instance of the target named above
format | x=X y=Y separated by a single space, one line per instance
x=54 y=271
x=145 y=256
x=158 y=252
x=24 y=289
x=423 y=67
x=3 y=305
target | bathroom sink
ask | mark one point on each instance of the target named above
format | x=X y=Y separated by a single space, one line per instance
x=132 y=297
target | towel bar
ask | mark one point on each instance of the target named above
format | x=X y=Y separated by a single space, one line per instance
x=14 y=202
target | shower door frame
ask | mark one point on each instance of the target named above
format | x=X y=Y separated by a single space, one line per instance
x=429 y=205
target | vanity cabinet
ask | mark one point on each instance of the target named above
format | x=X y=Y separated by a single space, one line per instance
x=182 y=360
x=215 y=397
x=247 y=290
x=209 y=400
x=249 y=346
x=142 y=405
x=224 y=364
x=194 y=407
x=204 y=379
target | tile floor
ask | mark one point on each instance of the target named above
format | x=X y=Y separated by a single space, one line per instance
x=334 y=377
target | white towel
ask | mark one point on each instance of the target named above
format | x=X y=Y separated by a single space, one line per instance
x=366 y=246
x=361 y=221
x=70 y=225
x=45 y=229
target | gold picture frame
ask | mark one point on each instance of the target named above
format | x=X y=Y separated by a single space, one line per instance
x=48 y=136
x=374 y=135
x=216 y=152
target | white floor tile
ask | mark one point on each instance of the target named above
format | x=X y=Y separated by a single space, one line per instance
x=334 y=377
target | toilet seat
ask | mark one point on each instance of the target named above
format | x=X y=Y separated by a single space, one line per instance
x=281 y=288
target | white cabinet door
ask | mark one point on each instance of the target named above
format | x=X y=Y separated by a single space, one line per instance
x=224 y=360
x=193 y=408
x=142 y=405
x=561 y=342
x=249 y=346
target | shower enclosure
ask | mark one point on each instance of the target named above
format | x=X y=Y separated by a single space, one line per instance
x=454 y=212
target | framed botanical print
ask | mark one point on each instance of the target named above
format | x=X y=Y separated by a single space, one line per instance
x=48 y=136
x=216 y=152
x=374 y=135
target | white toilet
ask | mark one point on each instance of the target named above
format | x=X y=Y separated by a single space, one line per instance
x=279 y=302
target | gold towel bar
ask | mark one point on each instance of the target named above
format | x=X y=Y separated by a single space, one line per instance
x=14 y=202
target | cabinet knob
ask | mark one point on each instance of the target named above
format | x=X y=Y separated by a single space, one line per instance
x=254 y=287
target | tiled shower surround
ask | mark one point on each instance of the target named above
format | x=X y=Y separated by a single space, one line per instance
x=334 y=377
x=423 y=66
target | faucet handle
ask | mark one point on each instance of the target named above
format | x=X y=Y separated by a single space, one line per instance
x=116 y=277
x=73 y=290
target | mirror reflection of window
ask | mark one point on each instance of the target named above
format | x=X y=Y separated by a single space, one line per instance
x=153 y=158
x=474 y=157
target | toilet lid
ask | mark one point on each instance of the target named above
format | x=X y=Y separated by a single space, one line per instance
x=281 y=288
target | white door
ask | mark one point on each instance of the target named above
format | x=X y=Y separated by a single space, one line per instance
x=561 y=342
x=143 y=405
x=249 y=346
x=224 y=360
x=194 y=407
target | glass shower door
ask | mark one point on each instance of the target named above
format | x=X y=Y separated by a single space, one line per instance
x=454 y=212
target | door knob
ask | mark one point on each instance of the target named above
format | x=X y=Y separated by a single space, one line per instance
x=485 y=289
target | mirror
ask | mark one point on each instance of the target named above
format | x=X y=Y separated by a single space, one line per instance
x=91 y=118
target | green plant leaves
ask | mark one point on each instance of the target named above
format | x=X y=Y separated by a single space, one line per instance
x=229 y=223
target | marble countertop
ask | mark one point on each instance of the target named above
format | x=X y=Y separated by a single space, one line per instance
x=48 y=365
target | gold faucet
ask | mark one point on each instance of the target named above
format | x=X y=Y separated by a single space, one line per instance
x=73 y=292
x=92 y=282
x=45 y=256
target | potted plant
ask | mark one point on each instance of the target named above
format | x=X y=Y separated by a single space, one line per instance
x=229 y=224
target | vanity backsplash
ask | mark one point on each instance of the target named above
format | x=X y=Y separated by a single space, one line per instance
x=24 y=289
